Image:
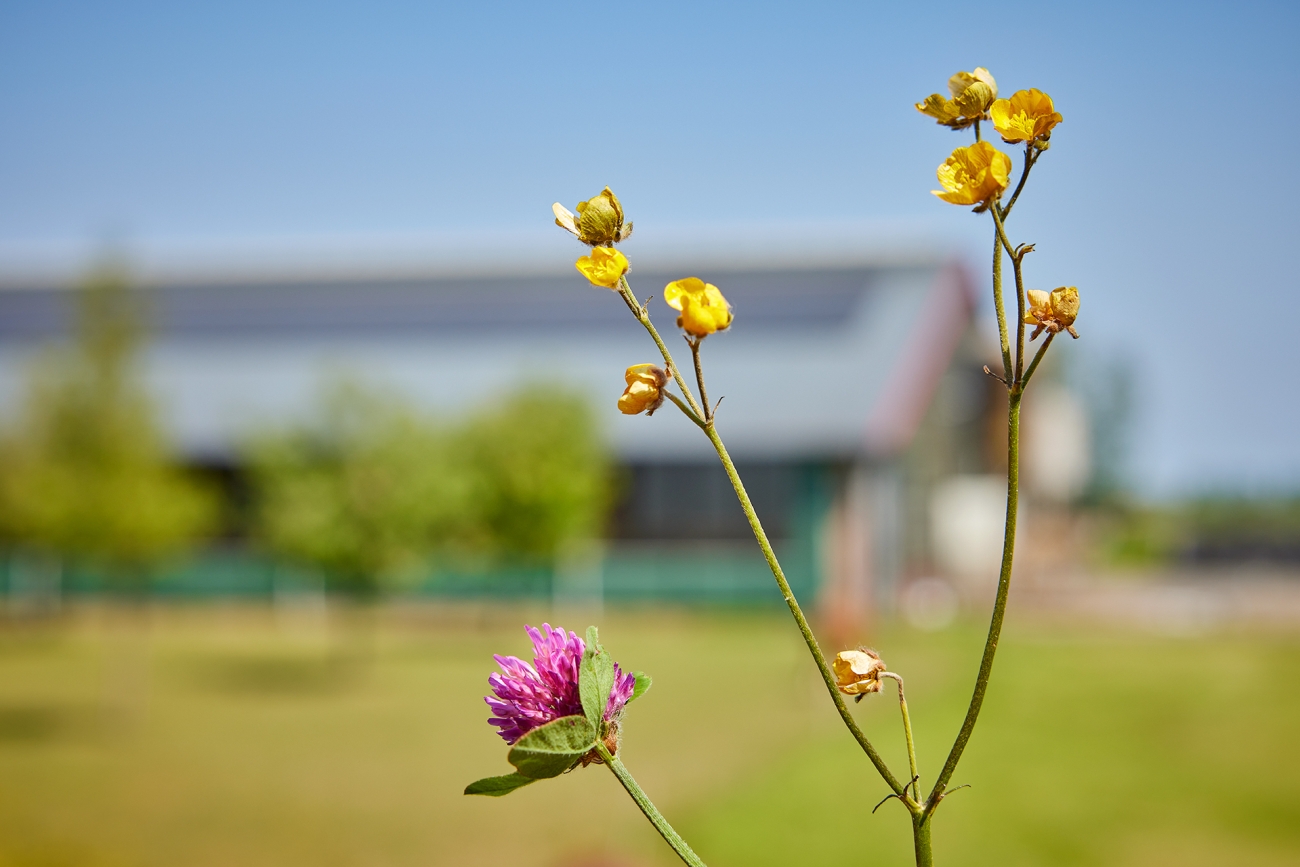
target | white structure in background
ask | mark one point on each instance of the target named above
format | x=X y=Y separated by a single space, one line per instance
x=1057 y=456
x=967 y=517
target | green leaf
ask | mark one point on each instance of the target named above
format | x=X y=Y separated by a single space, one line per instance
x=643 y=682
x=595 y=679
x=552 y=749
x=495 y=787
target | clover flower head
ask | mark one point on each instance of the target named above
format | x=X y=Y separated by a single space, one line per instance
x=702 y=306
x=974 y=175
x=1028 y=116
x=1053 y=312
x=527 y=696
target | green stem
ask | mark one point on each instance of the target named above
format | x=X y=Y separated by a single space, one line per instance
x=694 y=343
x=1030 y=159
x=828 y=677
x=671 y=837
x=684 y=408
x=1016 y=265
x=997 y=301
x=921 y=839
x=999 y=605
x=907 y=733
x=1033 y=365
x=643 y=316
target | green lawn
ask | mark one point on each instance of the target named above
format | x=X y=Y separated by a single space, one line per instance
x=219 y=736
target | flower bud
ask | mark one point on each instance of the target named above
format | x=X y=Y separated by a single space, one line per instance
x=857 y=672
x=599 y=221
x=644 y=392
x=1054 y=312
x=703 y=308
x=603 y=267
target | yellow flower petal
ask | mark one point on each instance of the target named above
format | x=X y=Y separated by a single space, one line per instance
x=603 y=267
x=644 y=389
x=704 y=309
x=1028 y=115
x=974 y=174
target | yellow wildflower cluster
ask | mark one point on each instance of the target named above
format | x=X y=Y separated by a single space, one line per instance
x=1054 y=312
x=644 y=392
x=857 y=672
x=702 y=306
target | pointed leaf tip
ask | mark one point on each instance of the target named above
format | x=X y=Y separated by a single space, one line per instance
x=642 y=683
x=495 y=787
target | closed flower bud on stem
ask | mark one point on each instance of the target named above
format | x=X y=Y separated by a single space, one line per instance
x=603 y=267
x=974 y=175
x=1027 y=116
x=857 y=672
x=1053 y=312
x=599 y=221
x=644 y=392
x=702 y=306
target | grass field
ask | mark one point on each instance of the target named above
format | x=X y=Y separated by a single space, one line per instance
x=217 y=736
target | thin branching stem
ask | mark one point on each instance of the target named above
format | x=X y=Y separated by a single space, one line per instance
x=1003 y=341
x=907 y=732
x=1031 y=157
x=694 y=343
x=1033 y=365
x=999 y=605
x=828 y=677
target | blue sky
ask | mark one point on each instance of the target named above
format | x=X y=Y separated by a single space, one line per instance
x=1168 y=196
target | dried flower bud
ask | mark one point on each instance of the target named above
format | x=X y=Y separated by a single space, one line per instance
x=599 y=221
x=857 y=672
x=1053 y=312
x=603 y=267
x=644 y=392
x=972 y=94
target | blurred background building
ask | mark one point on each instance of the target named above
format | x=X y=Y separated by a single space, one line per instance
x=855 y=404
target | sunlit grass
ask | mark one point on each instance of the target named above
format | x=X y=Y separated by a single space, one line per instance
x=218 y=736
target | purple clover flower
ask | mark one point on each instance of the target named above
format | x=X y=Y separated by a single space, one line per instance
x=528 y=696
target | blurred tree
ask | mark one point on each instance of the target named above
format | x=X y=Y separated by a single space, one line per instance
x=85 y=471
x=363 y=493
x=541 y=473
x=370 y=492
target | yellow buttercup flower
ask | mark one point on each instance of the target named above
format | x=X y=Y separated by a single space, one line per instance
x=1027 y=116
x=644 y=392
x=857 y=672
x=972 y=94
x=603 y=267
x=703 y=308
x=1054 y=312
x=974 y=174
x=599 y=221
